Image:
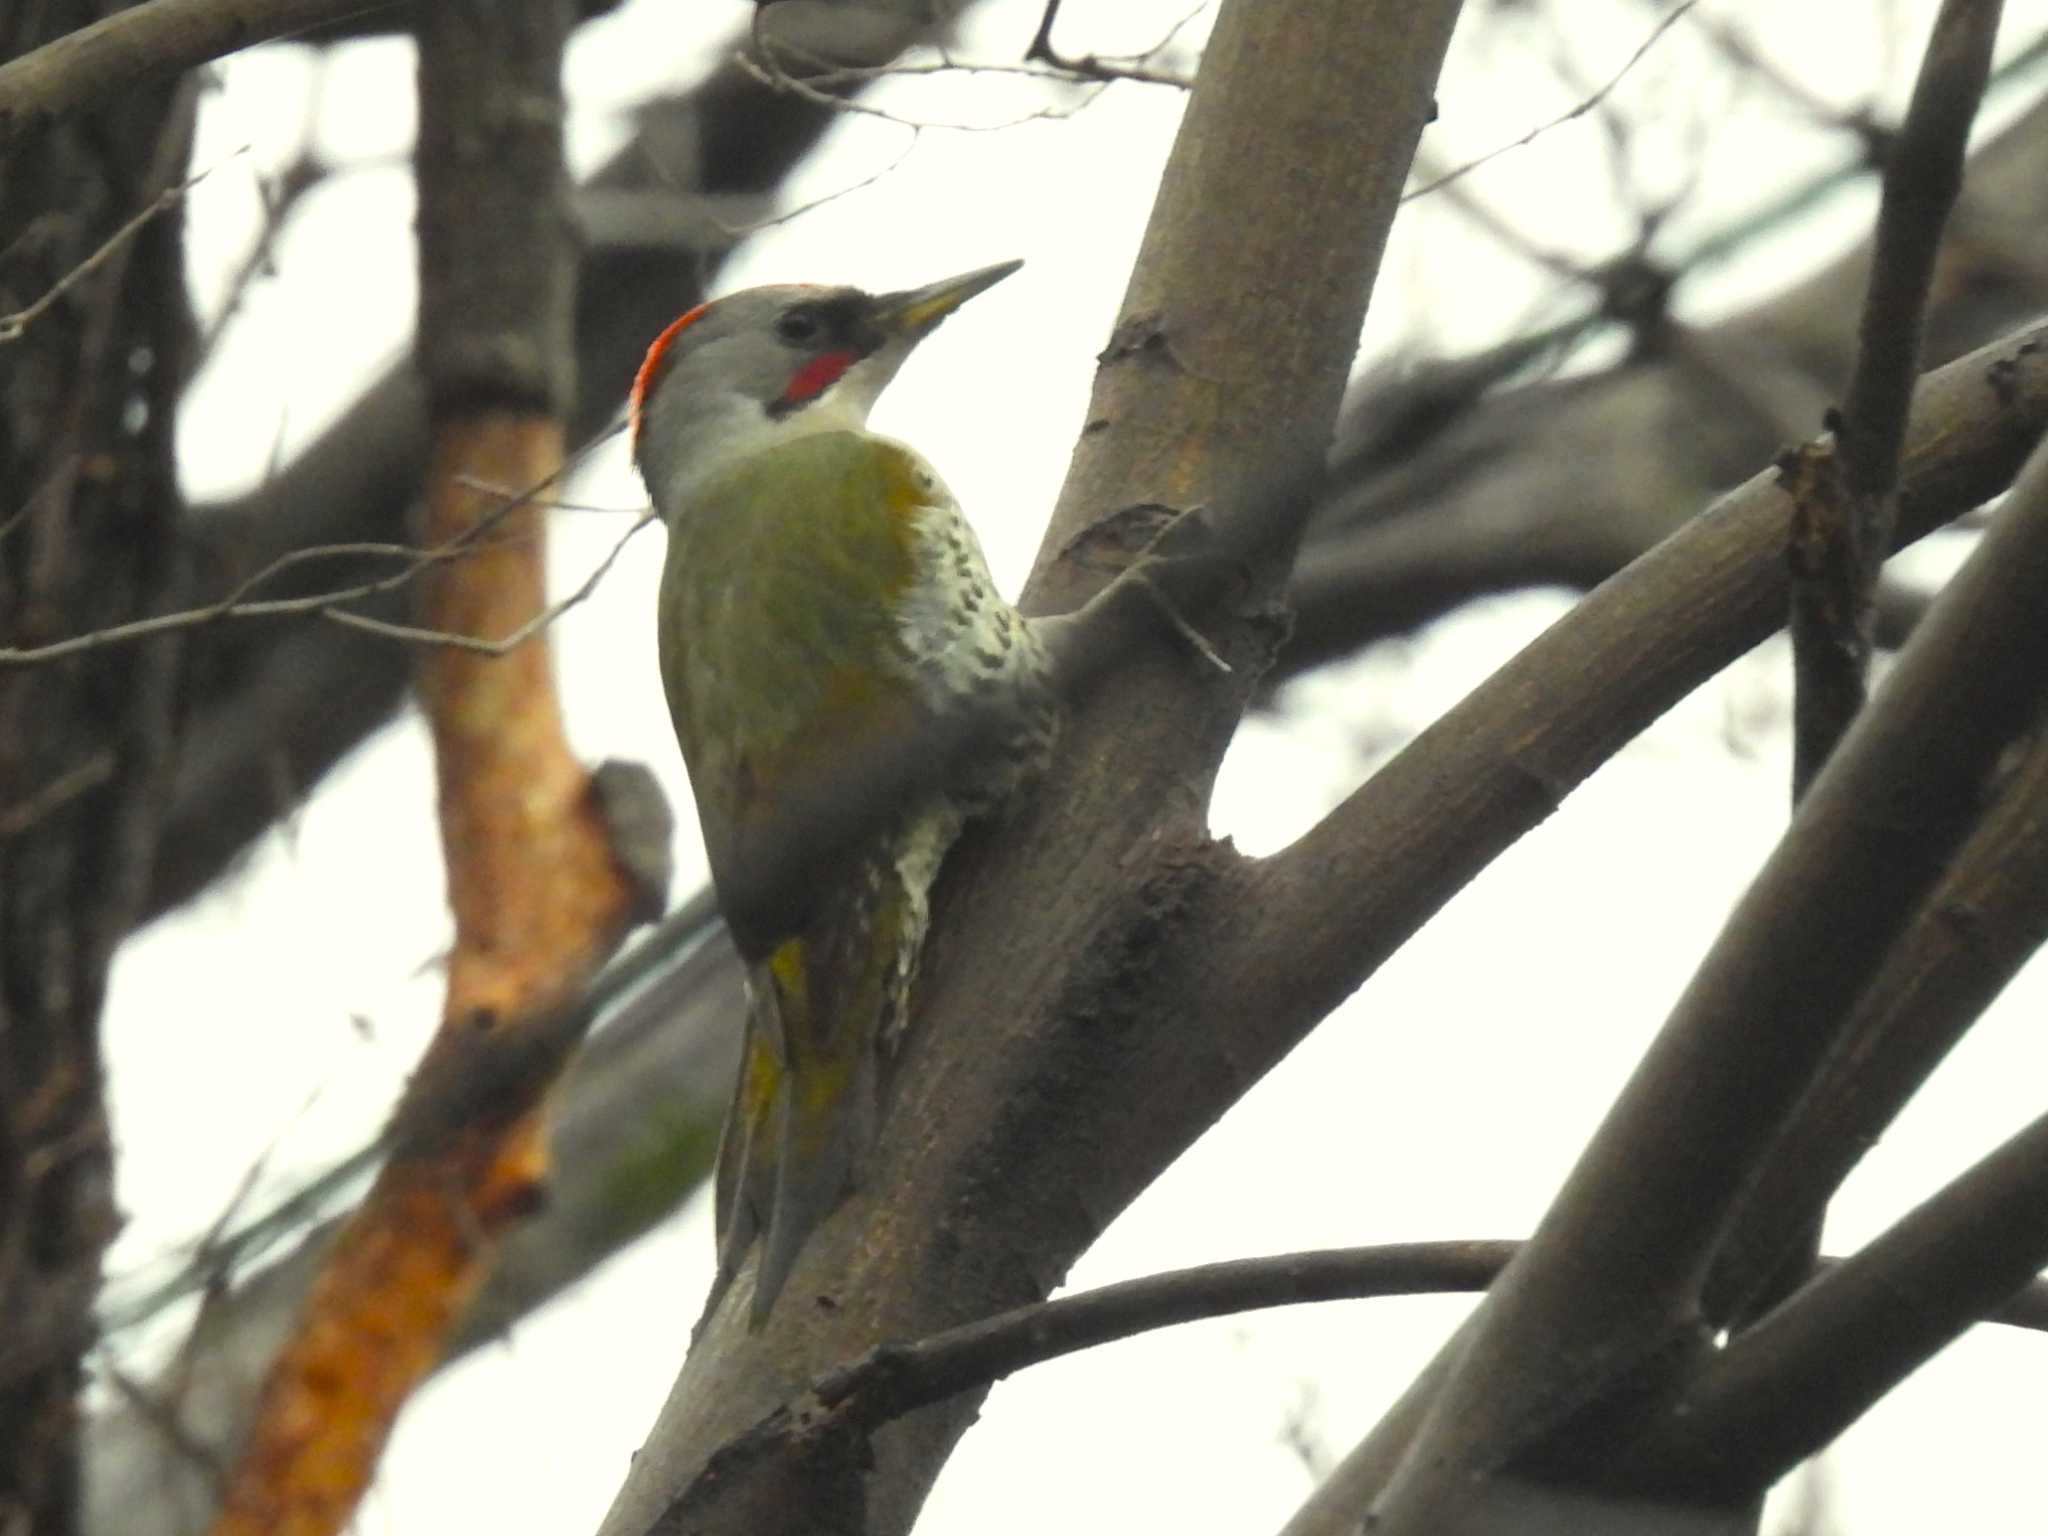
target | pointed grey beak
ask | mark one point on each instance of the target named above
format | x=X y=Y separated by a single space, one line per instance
x=917 y=311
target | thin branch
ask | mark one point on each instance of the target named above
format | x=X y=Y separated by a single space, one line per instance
x=279 y=195
x=823 y=79
x=1093 y=67
x=1921 y=184
x=768 y=70
x=237 y=604
x=681 y=970
x=1862 y=123
x=166 y=1421
x=1588 y=104
x=12 y=326
x=513 y=639
x=152 y=41
x=1844 y=504
x=892 y=1380
x=56 y=794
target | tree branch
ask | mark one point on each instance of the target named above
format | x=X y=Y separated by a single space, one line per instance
x=1786 y=1388
x=1614 y=1272
x=540 y=892
x=1562 y=482
x=1971 y=936
x=1843 y=511
x=144 y=44
x=1317 y=918
x=832 y=1418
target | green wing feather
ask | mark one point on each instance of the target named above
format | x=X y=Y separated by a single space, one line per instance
x=780 y=654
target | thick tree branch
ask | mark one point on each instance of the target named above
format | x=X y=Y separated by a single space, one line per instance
x=1786 y=1388
x=1971 y=936
x=1613 y=1274
x=1319 y=917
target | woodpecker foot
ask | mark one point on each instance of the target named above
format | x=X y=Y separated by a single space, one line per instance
x=1185 y=540
x=1175 y=622
x=1177 y=566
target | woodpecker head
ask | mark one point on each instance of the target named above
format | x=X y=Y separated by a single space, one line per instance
x=754 y=369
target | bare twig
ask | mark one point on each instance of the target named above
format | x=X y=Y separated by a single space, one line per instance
x=768 y=70
x=1862 y=121
x=1844 y=505
x=1091 y=66
x=823 y=80
x=164 y=1418
x=280 y=195
x=13 y=325
x=237 y=604
x=510 y=641
x=59 y=792
x=1588 y=104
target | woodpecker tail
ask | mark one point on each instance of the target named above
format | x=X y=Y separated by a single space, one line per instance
x=824 y=1105
x=823 y=1009
x=750 y=1145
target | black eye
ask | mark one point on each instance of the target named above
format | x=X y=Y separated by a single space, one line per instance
x=799 y=327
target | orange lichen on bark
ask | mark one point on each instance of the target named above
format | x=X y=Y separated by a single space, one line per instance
x=540 y=899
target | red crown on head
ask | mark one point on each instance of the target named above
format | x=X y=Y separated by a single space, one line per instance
x=649 y=377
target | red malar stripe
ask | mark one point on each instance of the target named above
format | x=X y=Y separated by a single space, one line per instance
x=817 y=376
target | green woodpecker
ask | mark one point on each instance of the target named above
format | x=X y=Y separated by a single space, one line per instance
x=847 y=687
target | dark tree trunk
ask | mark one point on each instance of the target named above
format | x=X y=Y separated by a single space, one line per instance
x=88 y=519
